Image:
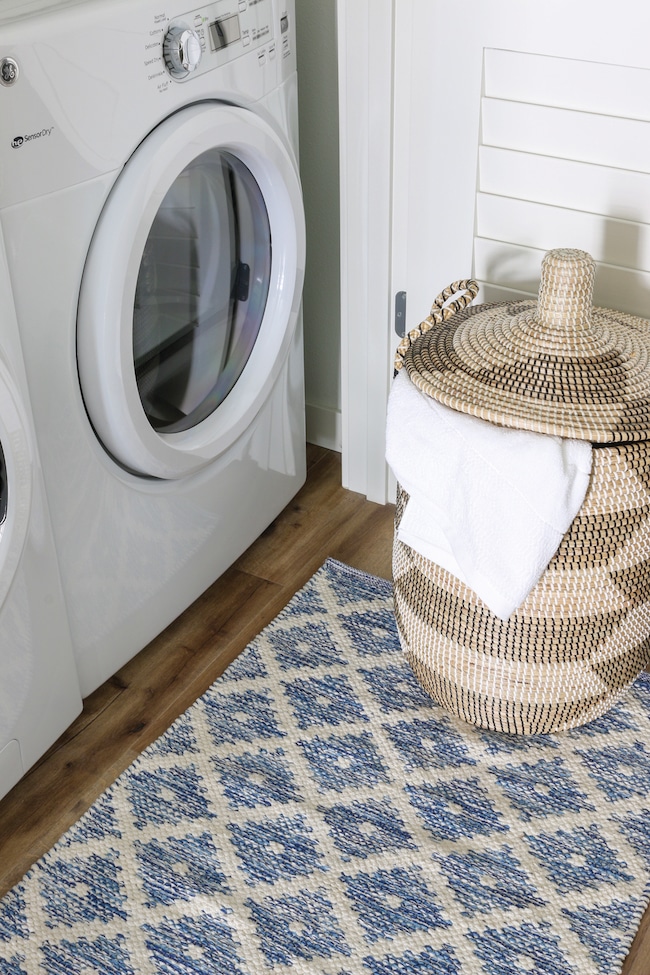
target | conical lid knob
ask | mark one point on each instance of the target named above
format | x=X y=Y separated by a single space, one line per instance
x=566 y=290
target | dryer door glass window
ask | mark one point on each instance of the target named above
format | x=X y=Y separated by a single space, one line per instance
x=201 y=291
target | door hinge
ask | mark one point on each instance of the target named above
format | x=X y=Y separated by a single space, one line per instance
x=400 y=313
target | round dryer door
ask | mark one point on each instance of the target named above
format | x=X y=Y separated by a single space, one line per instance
x=191 y=290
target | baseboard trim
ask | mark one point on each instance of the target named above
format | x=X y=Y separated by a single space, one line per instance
x=324 y=427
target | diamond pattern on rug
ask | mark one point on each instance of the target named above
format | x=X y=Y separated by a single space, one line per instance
x=315 y=813
x=303 y=925
x=274 y=850
x=530 y=947
x=389 y=902
x=192 y=944
x=578 y=859
x=541 y=789
x=327 y=700
x=83 y=889
x=179 y=867
x=428 y=744
x=456 y=808
x=103 y=954
x=241 y=717
x=362 y=829
x=255 y=778
x=167 y=795
x=488 y=879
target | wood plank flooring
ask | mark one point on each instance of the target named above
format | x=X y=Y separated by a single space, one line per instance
x=135 y=706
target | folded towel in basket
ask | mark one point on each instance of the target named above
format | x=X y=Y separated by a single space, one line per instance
x=487 y=503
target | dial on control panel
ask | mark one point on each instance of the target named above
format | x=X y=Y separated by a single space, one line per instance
x=182 y=51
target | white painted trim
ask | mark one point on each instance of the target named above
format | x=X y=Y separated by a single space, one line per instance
x=365 y=49
x=324 y=427
x=403 y=32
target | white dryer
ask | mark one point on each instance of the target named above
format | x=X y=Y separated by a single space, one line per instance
x=152 y=210
x=39 y=692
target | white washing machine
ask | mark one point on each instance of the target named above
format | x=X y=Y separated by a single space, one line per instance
x=39 y=692
x=153 y=218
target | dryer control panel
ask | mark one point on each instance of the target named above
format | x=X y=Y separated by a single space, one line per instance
x=215 y=34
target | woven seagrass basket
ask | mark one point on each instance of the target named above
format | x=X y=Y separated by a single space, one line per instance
x=582 y=635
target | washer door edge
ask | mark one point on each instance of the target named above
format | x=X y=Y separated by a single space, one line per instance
x=17 y=480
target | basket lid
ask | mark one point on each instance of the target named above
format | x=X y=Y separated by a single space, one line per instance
x=558 y=365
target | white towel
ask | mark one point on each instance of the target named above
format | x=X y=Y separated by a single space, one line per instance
x=488 y=503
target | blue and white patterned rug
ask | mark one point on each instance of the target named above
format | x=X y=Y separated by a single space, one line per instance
x=314 y=812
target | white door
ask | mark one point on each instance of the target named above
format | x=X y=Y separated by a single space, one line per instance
x=191 y=290
x=516 y=128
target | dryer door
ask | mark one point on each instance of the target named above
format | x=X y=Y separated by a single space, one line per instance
x=191 y=290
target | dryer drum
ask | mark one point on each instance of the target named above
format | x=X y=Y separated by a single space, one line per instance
x=201 y=291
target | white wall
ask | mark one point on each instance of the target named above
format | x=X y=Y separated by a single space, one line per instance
x=318 y=107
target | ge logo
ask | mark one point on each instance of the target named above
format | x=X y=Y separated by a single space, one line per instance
x=18 y=141
x=8 y=72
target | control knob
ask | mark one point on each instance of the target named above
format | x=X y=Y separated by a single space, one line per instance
x=182 y=51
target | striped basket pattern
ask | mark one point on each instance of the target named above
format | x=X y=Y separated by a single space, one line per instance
x=579 y=640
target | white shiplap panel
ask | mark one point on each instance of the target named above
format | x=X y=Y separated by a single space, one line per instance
x=588 y=86
x=601 y=139
x=494 y=292
x=620 y=193
x=518 y=268
x=507 y=265
x=608 y=240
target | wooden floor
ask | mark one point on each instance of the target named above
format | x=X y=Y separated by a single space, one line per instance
x=135 y=706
